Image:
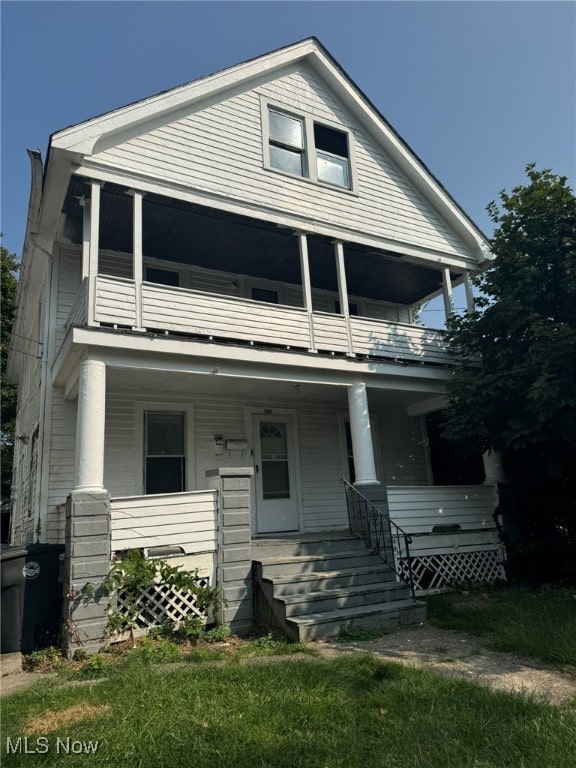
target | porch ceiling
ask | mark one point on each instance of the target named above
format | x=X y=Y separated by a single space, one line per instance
x=156 y=384
x=191 y=234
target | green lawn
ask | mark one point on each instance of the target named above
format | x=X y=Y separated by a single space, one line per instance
x=348 y=712
x=538 y=621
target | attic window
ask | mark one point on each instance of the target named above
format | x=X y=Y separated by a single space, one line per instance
x=300 y=146
x=287 y=143
x=332 y=155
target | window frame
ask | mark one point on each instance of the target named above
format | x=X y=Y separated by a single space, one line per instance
x=310 y=153
x=141 y=408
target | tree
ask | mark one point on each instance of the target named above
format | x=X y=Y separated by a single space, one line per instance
x=9 y=391
x=522 y=398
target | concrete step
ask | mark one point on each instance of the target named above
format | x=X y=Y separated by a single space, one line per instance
x=304 y=583
x=330 y=623
x=301 y=564
x=317 y=544
x=336 y=599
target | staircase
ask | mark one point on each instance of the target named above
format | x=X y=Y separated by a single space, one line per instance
x=313 y=586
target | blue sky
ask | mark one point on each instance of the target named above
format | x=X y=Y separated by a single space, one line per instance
x=477 y=89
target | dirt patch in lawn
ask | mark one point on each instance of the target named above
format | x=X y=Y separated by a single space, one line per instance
x=52 y=721
x=457 y=654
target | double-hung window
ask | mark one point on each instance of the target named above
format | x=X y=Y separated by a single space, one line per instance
x=287 y=143
x=300 y=146
x=332 y=156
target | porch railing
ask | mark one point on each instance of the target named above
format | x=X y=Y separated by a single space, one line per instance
x=448 y=533
x=380 y=534
x=120 y=302
x=184 y=520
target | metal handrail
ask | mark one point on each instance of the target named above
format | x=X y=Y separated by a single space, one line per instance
x=375 y=527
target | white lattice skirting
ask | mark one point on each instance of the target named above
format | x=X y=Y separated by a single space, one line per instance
x=160 y=603
x=434 y=572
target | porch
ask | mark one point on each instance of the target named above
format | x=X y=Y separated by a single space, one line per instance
x=153 y=265
x=121 y=304
x=453 y=535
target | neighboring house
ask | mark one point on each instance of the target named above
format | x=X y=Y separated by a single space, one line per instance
x=218 y=293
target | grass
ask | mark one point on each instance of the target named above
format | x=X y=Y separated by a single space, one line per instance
x=348 y=712
x=537 y=622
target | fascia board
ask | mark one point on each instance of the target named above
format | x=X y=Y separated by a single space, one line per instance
x=400 y=153
x=82 y=138
x=161 y=353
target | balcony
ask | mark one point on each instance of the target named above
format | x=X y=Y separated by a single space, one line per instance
x=149 y=307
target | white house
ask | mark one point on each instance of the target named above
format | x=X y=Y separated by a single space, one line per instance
x=216 y=323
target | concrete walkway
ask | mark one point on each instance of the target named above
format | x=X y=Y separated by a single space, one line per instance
x=456 y=654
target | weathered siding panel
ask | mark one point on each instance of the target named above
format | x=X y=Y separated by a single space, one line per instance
x=194 y=312
x=420 y=509
x=403 y=445
x=62 y=449
x=69 y=280
x=218 y=149
x=323 y=500
x=123 y=466
x=115 y=301
x=27 y=444
x=187 y=520
x=408 y=342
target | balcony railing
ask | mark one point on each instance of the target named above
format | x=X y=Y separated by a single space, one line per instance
x=219 y=317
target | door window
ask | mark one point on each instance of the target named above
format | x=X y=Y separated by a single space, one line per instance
x=274 y=457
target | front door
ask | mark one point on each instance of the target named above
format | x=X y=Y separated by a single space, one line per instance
x=276 y=501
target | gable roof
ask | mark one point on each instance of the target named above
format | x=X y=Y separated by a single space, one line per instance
x=82 y=138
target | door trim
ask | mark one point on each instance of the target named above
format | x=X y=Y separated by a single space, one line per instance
x=250 y=412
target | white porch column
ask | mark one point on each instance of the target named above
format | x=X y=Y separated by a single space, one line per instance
x=89 y=475
x=93 y=251
x=137 y=256
x=447 y=293
x=493 y=468
x=469 y=293
x=306 y=286
x=343 y=292
x=361 y=431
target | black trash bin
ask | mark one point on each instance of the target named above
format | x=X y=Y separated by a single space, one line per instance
x=32 y=596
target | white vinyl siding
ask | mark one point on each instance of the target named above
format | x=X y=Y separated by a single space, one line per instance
x=218 y=149
x=69 y=279
x=401 y=444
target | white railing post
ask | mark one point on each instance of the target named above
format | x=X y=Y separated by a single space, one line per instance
x=307 y=286
x=447 y=293
x=343 y=292
x=137 y=256
x=469 y=293
x=93 y=250
x=85 y=203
